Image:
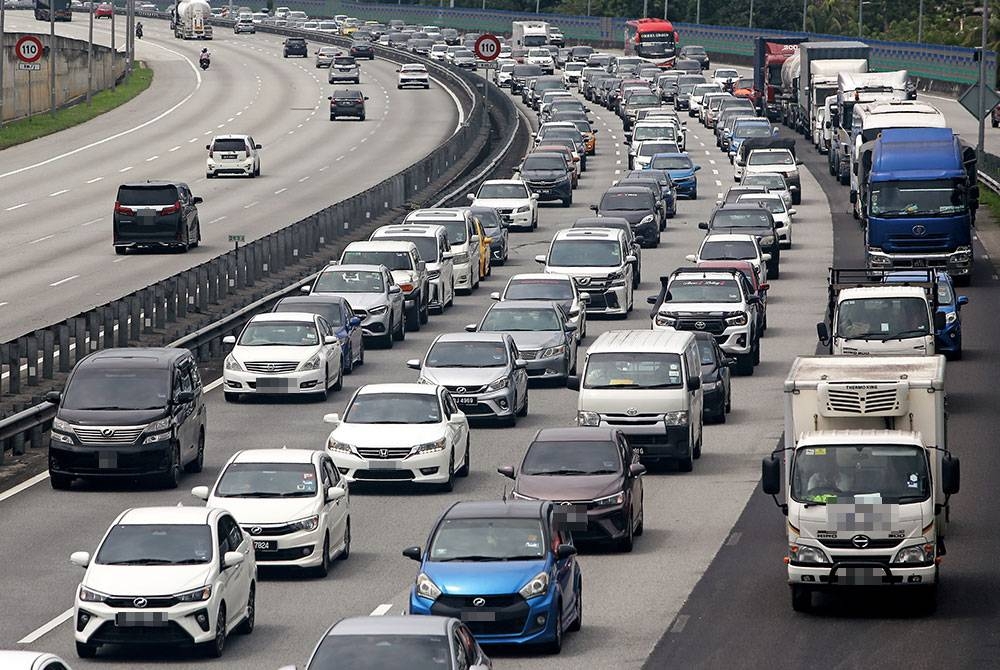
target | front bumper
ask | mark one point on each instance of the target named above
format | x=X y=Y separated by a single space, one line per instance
x=603 y=524
x=375 y=325
x=654 y=441
x=305 y=381
x=645 y=233
x=293 y=550
x=463 y=276
x=135 y=460
x=489 y=405
x=336 y=76
x=610 y=300
x=512 y=621
x=957 y=263
x=553 y=367
x=419 y=469
x=859 y=572
x=547 y=191
x=714 y=400
x=170 y=625
x=686 y=186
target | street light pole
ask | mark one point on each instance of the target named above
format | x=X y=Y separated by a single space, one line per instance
x=920 y=23
x=666 y=5
x=982 y=81
x=805 y=8
x=90 y=54
x=750 y=22
x=697 y=13
x=52 y=57
x=2 y=59
x=645 y=8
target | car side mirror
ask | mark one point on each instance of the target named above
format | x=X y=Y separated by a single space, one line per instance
x=763 y=287
x=520 y=364
x=231 y=559
x=413 y=363
x=951 y=479
x=507 y=471
x=184 y=397
x=329 y=97
x=393 y=290
x=770 y=471
x=765 y=257
x=564 y=551
x=421 y=266
x=962 y=300
x=691 y=258
x=412 y=553
x=200 y=492
x=630 y=258
x=697 y=167
x=55 y=396
x=570 y=327
x=703 y=225
x=540 y=258
x=798 y=161
x=792 y=212
x=730 y=362
x=471 y=197
x=80 y=559
x=208 y=147
x=332 y=418
x=198 y=200
x=356 y=321
x=335 y=493
x=470 y=327
x=330 y=339
x=534 y=196
x=694 y=383
x=366 y=97
x=636 y=470
x=257 y=146
x=823 y=333
x=305 y=289
x=573 y=382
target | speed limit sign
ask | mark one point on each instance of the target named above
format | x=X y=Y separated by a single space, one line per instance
x=28 y=49
x=487 y=47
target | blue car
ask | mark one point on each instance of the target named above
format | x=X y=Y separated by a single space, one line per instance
x=682 y=171
x=947 y=340
x=506 y=569
x=338 y=313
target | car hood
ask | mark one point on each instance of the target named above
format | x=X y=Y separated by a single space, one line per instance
x=482 y=578
x=743 y=230
x=463 y=376
x=387 y=435
x=537 y=339
x=633 y=216
x=568 y=487
x=542 y=175
x=500 y=203
x=365 y=300
x=680 y=174
x=130 y=417
x=147 y=580
x=249 y=511
x=260 y=354
x=701 y=307
x=573 y=271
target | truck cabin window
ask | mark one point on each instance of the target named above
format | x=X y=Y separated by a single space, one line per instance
x=885 y=474
x=928 y=198
x=882 y=319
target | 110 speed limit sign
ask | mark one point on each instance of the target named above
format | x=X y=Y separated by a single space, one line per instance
x=28 y=49
x=487 y=47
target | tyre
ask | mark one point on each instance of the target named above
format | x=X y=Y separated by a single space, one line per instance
x=774 y=270
x=323 y=569
x=362 y=117
x=524 y=408
x=348 y=366
x=449 y=485
x=566 y=202
x=756 y=352
x=247 y=625
x=84 y=650
x=60 y=482
x=696 y=452
x=345 y=553
x=217 y=646
x=694 y=194
x=626 y=543
x=198 y=463
x=686 y=464
x=578 y=619
x=801 y=598
x=324 y=393
x=209 y=175
x=412 y=318
x=400 y=334
x=927 y=599
x=464 y=470
x=121 y=251
x=389 y=337
x=172 y=477
x=555 y=646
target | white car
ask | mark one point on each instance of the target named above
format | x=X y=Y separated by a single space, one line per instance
x=232 y=154
x=781 y=161
x=438 y=52
x=463 y=236
x=504 y=73
x=725 y=75
x=600 y=261
x=643 y=151
x=293 y=504
x=515 y=204
x=774 y=182
x=779 y=212
x=178 y=574
x=282 y=353
x=401 y=432
x=571 y=73
x=698 y=94
x=542 y=58
x=435 y=250
x=732 y=247
x=31 y=660
x=413 y=74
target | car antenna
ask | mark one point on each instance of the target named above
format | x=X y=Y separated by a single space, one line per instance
x=505 y=493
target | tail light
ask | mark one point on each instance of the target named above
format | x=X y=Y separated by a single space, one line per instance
x=119 y=209
x=406 y=288
x=172 y=209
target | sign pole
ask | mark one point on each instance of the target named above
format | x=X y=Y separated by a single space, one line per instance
x=3 y=59
x=90 y=55
x=52 y=57
x=114 y=52
x=981 y=145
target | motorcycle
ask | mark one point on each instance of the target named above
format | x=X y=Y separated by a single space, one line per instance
x=204 y=62
x=138 y=31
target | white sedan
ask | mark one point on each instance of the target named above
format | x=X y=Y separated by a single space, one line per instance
x=732 y=247
x=511 y=198
x=413 y=74
x=292 y=502
x=401 y=433
x=281 y=353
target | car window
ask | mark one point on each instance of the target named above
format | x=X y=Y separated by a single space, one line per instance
x=331 y=472
x=224 y=545
x=185 y=379
x=166 y=194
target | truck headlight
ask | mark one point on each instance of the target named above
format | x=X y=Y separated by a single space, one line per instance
x=60 y=425
x=737 y=320
x=311 y=364
x=427 y=588
x=538 y=586
x=803 y=554
x=921 y=553
x=588 y=418
x=665 y=321
x=233 y=364
x=878 y=259
x=430 y=447
x=676 y=418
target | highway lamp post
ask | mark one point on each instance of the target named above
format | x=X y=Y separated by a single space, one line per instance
x=645 y=8
x=52 y=57
x=920 y=23
x=805 y=8
x=980 y=146
x=536 y=6
x=3 y=59
x=131 y=35
x=697 y=12
x=90 y=54
x=588 y=7
x=114 y=78
x=666 y=6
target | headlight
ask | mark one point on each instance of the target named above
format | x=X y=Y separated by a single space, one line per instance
x=59 y=424
x=158 y=437
x=312 y=364
x=233 y=364
x=922 y=553
x=802 y=554
x=424 y=380
x=162 y=424
x=59 y=437
x=676 y=418
x=588 y=419
x=710 y=386
x=523 y=209
x=646 y=219
x=538 y=586
x=381 y=309
x=426 y=588
x=767 y=240
x=878 y=259
x=738 y=320
x=607 y=501
x=616 y=276
x=309 y=523
x=949 y=318
x=459 y=259
x=501 y=383
x=554 y=351
x=665 y=321
x=430 y=447
x=518 y=496
x=336 y=445
x=433 y=274
x=91 y=596
x=197 y=595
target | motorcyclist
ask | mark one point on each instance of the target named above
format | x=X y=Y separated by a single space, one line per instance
x=205 y=56
x=138 y=29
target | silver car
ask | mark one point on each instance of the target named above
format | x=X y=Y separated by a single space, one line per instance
x=483 y=371
x=373 y=295
x=550 y=287
x=325 y=56
x=344 y=68
x=540 y=330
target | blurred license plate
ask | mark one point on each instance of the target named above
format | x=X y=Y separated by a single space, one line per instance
x=228 y=157
x=272 y=384
x=141 y=619
x=345 y=103
x=464 y=400
x=265 y=545
x=383 y=465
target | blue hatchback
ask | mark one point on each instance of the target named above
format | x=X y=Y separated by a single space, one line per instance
x=681 y=170
x=947 y=340
x=507 y=569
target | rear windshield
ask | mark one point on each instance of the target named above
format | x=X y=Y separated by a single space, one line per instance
x=394 y=260
x=229 y=145
x=147 y=195
x=344 y=60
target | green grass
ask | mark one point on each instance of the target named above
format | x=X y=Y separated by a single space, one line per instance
x=991 y=201
x=40 y=125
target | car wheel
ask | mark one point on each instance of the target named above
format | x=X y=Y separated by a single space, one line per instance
x=449 y=485
x=388 y=338
x=400 y=333
x=756 y=352
x=121 y=251
x=524 y=408
x=626 y=543
x=399 y=86
x=744 y=364
x=641 y=526
x=361 y=352
x=345 y=553
x=464 y=470
x=412 y=318
x=348 y=367
x=324 y=392
x=566 y=202
x=729 y=400
x=199 y=460
x=694 y=195
x=362 y=117
x=84 y=650
x=424 y=314
x=209 y=175
x=696 y=452
x=246 y=626
x=323 y=569
x=172 y=477
x=578 y=616
x=555 y=646
x=686 y=464
x=218 y=644
x=339 y=384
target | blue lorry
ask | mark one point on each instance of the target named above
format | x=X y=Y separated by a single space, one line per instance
x=918 y=195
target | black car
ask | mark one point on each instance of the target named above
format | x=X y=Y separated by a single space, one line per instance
x=347 y=102
x=581 y=53
x=750 y=220
x=450 y=37
x=695 y=52
x=296 y=46
x=656 y=187
x=129 y=413
x=716 y=382
x=363 y=49
x=155 y=214
x=548 y=175
x=521 y=74
x=734 y=193
x=496 y=229
x=668 y=192
x=638 y=206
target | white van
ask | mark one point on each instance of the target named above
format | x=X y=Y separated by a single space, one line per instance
x=646 y=384
x=432 y=243
x=463 y=236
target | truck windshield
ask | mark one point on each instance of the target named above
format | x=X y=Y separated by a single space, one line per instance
x=535 y=40
x=633 y=371
x=882 y=318
x=887 y=474
x=926 y=198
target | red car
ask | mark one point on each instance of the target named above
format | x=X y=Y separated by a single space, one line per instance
x=104 y=11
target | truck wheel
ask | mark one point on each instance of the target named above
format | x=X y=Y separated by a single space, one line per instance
x=845 y=179
x=801 y=598
x=686 y=464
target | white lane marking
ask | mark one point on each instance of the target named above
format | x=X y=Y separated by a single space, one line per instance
x=118 y=260
x=91 y=222
x=306 y=178
x=280 y=191
x=715 y=172
x=325 y=167
x=23 y=486
x=718 y=183
x=211 y=386
x=63 y=281
x=734 y=539
x=173 y=149
x=216 y=220
x=255 y=202
x=193 y=139
x=711 y=161
x=124 y=132
x=126 y=169
x=94 y=180
x=151 y=159
x=239 y=113
x=1 y=305
x=11 y=209
x=221 y=125
x=46 y=628
x=679 y=623
x=230 y=119
x=340 y=158
x=41 y=239
x=207 y=132
x=381 y=610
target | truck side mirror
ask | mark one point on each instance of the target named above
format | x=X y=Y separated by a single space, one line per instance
x=823 y=333
x=951 y=477
x=770 y=475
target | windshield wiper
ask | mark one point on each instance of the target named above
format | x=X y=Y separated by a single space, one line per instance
x=142 y=561
x=473 y=557
x=107 y=408
x=254 y=494
x=904 y=333
x=190 y=561
x=562 y=471
x=864 y=336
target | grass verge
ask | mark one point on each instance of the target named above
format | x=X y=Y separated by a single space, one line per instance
x=991 y=201
x=40 y=125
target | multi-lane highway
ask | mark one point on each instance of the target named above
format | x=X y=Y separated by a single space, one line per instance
x=57 y=193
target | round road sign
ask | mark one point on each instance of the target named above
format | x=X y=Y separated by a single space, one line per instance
x=487 y=47
x=28 y=49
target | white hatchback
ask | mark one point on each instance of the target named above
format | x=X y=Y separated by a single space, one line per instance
x=232 y=154
x=413 y=74
x=511 y=199
x=292 y=502
x=175 y=575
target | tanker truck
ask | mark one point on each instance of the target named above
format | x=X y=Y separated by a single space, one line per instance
x=190 y=20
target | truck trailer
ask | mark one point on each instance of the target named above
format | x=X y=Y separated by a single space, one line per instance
x=770 y=55
x=820 y=65
x=853 y=89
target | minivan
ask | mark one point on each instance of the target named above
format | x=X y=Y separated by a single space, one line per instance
x=646 y=384
x=155 y=214
x=435 y=250
x=463 y=241
x=125 y=413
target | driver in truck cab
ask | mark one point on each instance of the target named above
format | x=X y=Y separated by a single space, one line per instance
x=828 y=480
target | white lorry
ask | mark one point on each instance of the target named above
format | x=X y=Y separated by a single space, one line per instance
x=874 y=313
x=854 y=89
x=191 y=20
x=528 y=34
x=867 y=475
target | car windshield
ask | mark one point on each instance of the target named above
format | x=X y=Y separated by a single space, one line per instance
x=328 y=51
x=427 y=247
x=156 y=544
x=539 y=289
x=740 y=218
x=349 y=281
x=467 y=354
x=503 y=191
x=585 y=253
x=642 y=133
x=572 y=457
x=694 y=51
x=872 y=475
x=394 y=260
x=458 y=232
x=642 y=99
x=117 y=388
x=539 y=53
x=652 y=148
x=463 y=53
x=769 y=181
x=773 y=205
x=770 y=158
x=544 y=163
x=907 y=198
x=267 y=480
x=330 y=311
x=702 y=89
x=394 y=408
x=671 y=163
x=627 y=202
x=706 y=349
x=726 y=74
x=704 y=290
x=745 y=130
x=633 y=371
x=566 y=133
x=732 y=250
x=383 y=651
x=504 y=539
x=279 y=334
x=882 y=318
x=521 y=319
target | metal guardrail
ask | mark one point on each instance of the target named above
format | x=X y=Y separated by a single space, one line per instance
x=146 y=313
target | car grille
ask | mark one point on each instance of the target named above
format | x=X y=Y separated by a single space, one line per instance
x=271 y=367
x=636 y=420
x=848 y=543
x=128 y=602
x=497 y=615
x=268 y=531
x=529 y=355
x=383 y=474
x=108 y=434
x=862 y=558
x=384 y=452
x=466 y=390
x=590 y=284
x=109 y=633
x=713 y=326
x=540 y=184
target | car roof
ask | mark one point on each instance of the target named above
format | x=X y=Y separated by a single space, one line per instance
x=144 y=357
x=478 y=336
x=535 y=276
x=628 y=190
x=306 y=317
x=575 y=434
x=391 y=625
x=520 y=509
x=729 y=237
x=352 y=267
x=175 y=515
x=413 y=388
x=380 y=244
x=275 y=455
x=523 y=304
x=149 y=183
x=411 y=229
x=705 y=273
x=231 y=137
x=504 y=182
x=598 y=221
x=435 y=213
x=583 y=233
x=655 y=341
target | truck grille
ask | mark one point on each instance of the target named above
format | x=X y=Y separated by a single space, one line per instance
x=931 y=242
x=846 y=398
x=271 y=367
x=108 y=434
x=713 y=326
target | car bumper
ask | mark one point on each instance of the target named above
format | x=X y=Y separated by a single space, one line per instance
x=298 y=549
x=686 y=188
x=612 y=301
x=645 y=233
x=602 y=524
x=557 y=192
x=553 y=367
x=714 y=400
x=375 y=325
x=135 y=460
x=240 y=167
x=525 y=622
x=342 y=76
x=490 y=405
x=463 y=276
x=957 y=263
x=862 y=573
x=732 y=340
x=419 y=469
x=414 y=82
x=173 y=625
x=307 y=381
x=655 y=442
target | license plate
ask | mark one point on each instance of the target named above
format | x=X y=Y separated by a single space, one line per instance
x=272 y=384
x=141 y=619
x=464 y=400
x=265 y=545
x=383 y=465
x=345 y=104
x=228 y=157
x=107 y=460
